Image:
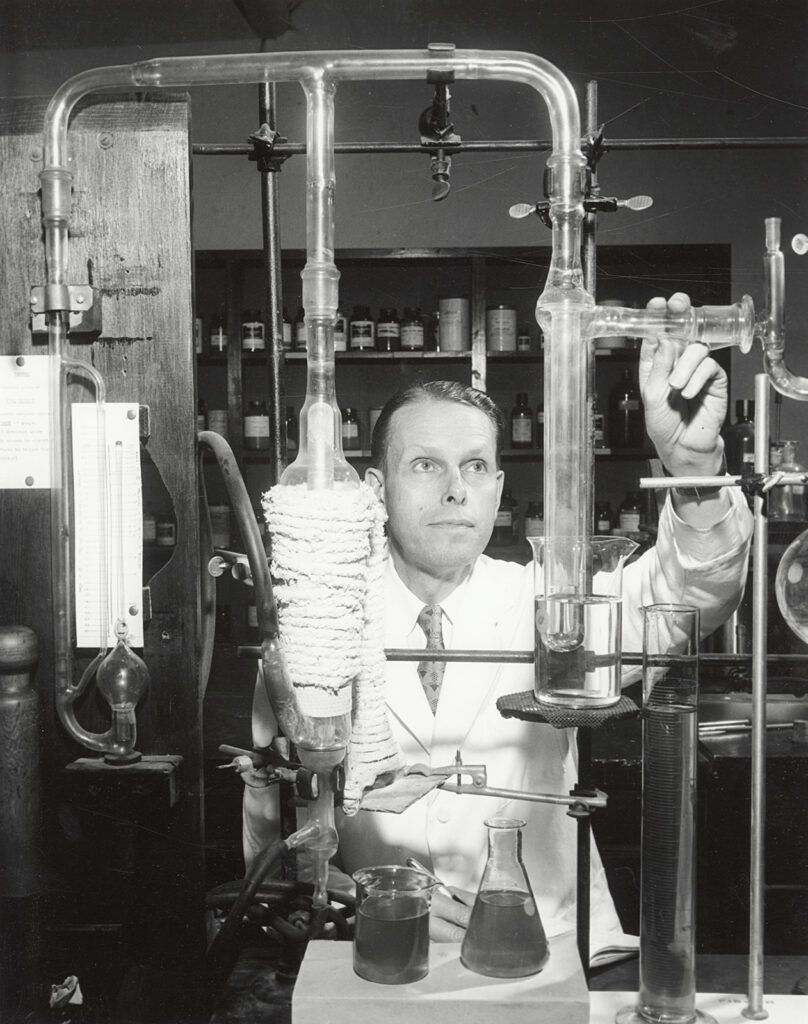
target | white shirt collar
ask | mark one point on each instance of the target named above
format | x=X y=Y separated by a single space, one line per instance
x=403 y=607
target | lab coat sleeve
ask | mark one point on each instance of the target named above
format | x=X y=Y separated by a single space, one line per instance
x=702 y=567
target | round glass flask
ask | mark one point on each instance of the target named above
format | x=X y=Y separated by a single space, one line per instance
x=505 y=937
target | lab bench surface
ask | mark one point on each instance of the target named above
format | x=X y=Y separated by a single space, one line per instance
x=258 y=990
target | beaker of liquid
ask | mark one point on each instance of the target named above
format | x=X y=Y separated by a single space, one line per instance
x=667 y=969
x=505 y=937
x=391 y=938
x=578 y=625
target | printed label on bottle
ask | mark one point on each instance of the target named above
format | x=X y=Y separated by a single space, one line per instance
x=340 y=335
x=604 y=525
x=520 y=431
x=748 y=457
x=412 y=336
x=629 y=405
x=252 y=337
x=217 y=420
x=387 y=330
x=362 y=334
x=218 y=340
x=504 y=519
x=256 y=426
x=287 y=337
x=630 y=521
x=350 y=431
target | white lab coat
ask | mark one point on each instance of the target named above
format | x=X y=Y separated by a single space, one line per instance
x=494 y=610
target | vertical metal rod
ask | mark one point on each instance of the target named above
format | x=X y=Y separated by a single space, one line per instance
x=591 y=219
x=754 y=1009
x=584 y=831
x=270 y=221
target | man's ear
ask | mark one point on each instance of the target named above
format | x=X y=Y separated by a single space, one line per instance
x=374 y=478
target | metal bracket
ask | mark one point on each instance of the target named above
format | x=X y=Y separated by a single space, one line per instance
x=77 y=299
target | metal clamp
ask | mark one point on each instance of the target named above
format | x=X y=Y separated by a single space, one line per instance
x=263 y=153
x=75 y=299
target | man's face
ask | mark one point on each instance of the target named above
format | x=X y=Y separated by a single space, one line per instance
x=440 y=485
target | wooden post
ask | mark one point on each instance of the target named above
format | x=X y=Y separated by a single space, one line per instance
x=131 y=241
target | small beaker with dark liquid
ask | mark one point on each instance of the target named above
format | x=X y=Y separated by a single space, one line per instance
x=391 y=938
x=505 y=937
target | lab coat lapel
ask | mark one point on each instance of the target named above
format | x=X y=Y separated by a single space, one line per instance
x=410 y=714
x=468 y=689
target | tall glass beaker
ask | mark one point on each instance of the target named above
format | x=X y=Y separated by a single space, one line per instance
x=578 y=619
x=505 y=937
x=667 y=989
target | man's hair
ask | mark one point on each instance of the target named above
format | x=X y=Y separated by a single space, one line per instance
x=440 y=390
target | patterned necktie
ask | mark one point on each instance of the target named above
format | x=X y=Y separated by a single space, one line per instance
x=431 y=672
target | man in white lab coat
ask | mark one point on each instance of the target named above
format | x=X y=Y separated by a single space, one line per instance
x=436 y=470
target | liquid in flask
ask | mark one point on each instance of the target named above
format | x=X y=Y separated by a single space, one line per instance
x=505 y=936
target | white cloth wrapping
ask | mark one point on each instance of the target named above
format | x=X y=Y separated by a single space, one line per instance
x=326 y=564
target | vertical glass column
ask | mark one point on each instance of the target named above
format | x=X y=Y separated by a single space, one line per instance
x=667 y=972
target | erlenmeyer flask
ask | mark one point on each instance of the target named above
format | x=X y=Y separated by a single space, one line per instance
x=505 y=937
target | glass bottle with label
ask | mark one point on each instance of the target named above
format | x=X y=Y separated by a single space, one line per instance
x=523 y=342
x=363 y=329
x=256 y=426
x=299 y=334
x=534 y=519
x=388 y=331
x=412 y=330
x=626 y=422
x=340 y=332
x=603 y=518
x=540 y=424
x=198 y=335
x=739 y=439
x=218 y=332
x=252 y=331
x=350 y=429
x=788 y=503
x=521 y=423
x=287 y=336
x=598 y=425
x=503 y=524
x=291 y=430
x=630 y=513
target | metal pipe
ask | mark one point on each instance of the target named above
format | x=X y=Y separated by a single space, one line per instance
x=285 y=149
x=754 y=1008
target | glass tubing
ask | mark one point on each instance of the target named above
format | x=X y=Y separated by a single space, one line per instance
x=565 y=310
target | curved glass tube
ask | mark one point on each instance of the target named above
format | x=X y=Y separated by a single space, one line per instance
x=771 y=326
